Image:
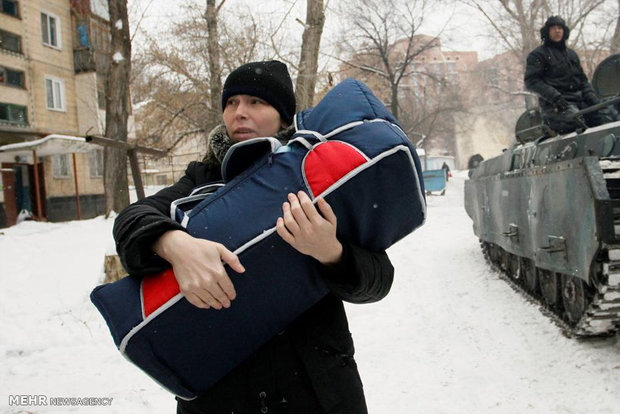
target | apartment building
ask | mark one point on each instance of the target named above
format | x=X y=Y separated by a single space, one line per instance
x=52 y=57
x=435 y=66
x=429 y=93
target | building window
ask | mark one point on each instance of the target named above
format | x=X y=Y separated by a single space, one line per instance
x=10 y=41
x=55 y=91
x=9 y=7
x=10 y=77
x=60 y=165
x=50 y=30
x=95 y=163
x=14 y=114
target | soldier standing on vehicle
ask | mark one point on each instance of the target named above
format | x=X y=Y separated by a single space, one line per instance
x=554 y=72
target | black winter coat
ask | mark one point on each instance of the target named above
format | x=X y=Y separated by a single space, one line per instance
x=309 y=367
x=553 y=70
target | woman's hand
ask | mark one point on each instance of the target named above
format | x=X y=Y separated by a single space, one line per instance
x=309 y=232
x=198 y=266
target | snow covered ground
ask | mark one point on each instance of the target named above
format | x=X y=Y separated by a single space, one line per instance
x=451 y=337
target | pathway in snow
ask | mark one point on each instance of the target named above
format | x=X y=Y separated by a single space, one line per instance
x=453 y=338
x=450 y=337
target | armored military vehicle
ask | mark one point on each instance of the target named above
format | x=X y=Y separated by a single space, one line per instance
x=547 y=213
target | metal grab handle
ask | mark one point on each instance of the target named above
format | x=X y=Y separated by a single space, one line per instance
x=551 y=249
x=556 y=244
x=512 y=232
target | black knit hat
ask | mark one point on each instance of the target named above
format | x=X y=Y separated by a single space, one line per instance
x=554 y=21
x=266 y=80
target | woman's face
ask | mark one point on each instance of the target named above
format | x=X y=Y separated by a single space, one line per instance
x=247 y=116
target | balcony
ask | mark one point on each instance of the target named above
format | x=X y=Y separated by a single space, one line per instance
x=84 y=60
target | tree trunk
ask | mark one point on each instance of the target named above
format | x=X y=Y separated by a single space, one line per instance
x=215 y=69
x=394 y=96
x=615 y=41
x=117 y=108
x=309 y=58
x=113 y=268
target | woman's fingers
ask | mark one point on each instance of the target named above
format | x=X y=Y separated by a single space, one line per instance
x=215 y=294
x=196 y=301
x=310 y=229
x=207 y=289
x=326 y=211
x=289 y=219
x=298 y=211
x=308 y=207
x=230 y=258
x=283 y=232
x=201 y=274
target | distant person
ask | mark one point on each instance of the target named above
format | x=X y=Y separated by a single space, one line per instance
x=554 y=72
x=309 y=367
x=446 y=170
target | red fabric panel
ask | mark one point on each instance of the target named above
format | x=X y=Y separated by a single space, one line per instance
x=158 y=289
x=329 y=162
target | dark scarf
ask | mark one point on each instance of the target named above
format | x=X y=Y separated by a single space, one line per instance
x=218 y=143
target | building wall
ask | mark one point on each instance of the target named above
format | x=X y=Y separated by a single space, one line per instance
x=51 y=61
x=13 y=94
x=168 y=170
x=80 y=113
x=65 y=186
x=15 y=61
x=443 y=64
x=494 y=98
x=482 y=132
x=91 y=119
x=65 y=208
x=39 y=60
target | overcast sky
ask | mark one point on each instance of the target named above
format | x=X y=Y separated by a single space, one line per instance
x=462 y=28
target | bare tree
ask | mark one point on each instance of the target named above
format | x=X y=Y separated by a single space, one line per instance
x=180 y=88
x=516 y=23
x=602 y=36
x=179 y=92
x=382 y=41
x=215 y=68
x=309 y=57
x=117 y=108
x=615 y=40
x=429 y=113
x=407 y=70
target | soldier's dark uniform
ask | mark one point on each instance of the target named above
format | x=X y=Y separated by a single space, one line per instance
x=554 y=72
